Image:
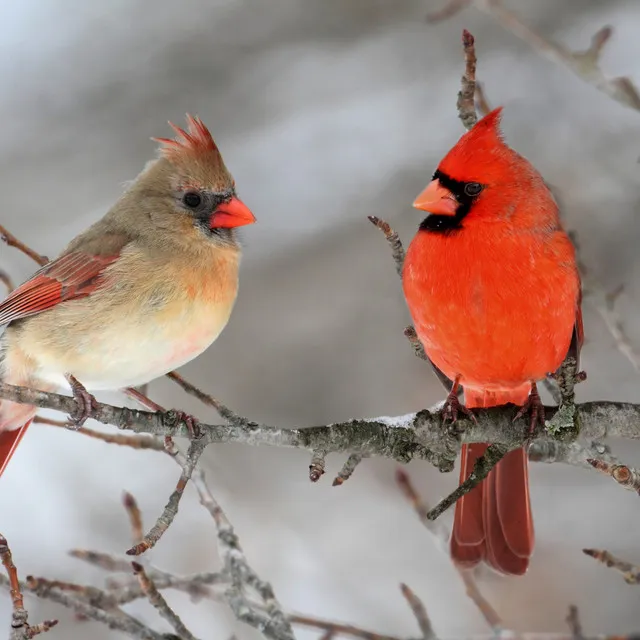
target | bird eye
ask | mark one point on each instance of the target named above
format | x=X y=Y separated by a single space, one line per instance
x=192 y=199
x=472 y=188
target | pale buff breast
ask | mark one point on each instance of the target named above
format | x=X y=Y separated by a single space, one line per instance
x=136 y=328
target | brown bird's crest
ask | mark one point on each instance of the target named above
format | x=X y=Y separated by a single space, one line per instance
x=196 y=142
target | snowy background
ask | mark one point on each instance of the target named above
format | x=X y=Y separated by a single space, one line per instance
x=326 y=111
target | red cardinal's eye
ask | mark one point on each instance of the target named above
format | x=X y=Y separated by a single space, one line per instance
x=192 y=199
x=472 y=188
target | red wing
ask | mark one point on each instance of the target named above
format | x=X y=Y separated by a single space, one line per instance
x=74 y=275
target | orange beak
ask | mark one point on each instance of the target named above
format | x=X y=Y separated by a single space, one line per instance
x=232 y=214
x=436 y=199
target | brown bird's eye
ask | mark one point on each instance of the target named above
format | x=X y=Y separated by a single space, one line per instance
x=192 y=200
x=472 y=188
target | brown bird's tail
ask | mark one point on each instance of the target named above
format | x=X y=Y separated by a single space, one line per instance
x=493 y=522
x=14 y=422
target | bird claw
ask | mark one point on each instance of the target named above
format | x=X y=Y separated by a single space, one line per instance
x=193 y=424
x=534 y=407
x=86 y=404
x=452 y=407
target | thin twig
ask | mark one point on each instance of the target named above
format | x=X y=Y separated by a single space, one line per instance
x=422 y=510
x=466 y=96
x=20 y=627
x=484 y=606
x=10 y=240
x=224 y=411
x=394 y=241
x=584 y=64
x=630 y=572
x=573 y=620
x=140 y=441
x=347 y=469
x=412 y=337
x=420 y=613
x=158 y=601
x=316 y=468
x=625 y=476
x=5 y=278
x=481 y=469
x=272 y=622
x=135 y=516
x=114 y=619
x=170 y=511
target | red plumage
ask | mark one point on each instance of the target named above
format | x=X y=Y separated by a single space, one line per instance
x=492 y=285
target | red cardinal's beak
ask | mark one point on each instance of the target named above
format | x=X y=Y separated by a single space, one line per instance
x=232 y=214
x=436 y=199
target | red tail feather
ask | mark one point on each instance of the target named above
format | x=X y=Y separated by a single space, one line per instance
x=493 y=522
x=9 y=441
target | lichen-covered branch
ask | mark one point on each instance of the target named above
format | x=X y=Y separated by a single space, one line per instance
x=417 y=435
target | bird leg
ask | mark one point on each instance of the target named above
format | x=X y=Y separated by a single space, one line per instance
x=85 y=402
x=535 y=408
x=452 y=406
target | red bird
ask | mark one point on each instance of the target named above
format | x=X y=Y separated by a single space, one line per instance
x=493 y=288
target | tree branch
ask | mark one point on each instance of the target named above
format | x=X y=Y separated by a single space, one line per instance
x=20 y=627
x=157 y=600
x=584 y=64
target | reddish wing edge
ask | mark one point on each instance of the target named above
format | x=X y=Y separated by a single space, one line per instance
x=74 y=275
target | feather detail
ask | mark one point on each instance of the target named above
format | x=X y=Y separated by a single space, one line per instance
x=74 y=275
x=196 y=142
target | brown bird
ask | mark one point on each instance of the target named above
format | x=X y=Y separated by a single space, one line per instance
x=141 y=292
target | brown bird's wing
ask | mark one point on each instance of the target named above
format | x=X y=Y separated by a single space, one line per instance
x=73 y=275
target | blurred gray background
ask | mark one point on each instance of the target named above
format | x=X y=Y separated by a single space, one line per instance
x=326 y=111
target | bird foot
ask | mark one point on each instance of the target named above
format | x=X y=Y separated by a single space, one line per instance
x=86 y=404
x=452 y=407
x=534 y=408
x=193 y=424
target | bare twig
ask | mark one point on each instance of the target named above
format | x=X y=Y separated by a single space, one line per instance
x=10 y=240
x=420 y=613
x=630 y=572
x=171 y=509
x=272 y=622
x=316 y=468
x=205 y=398
x=466 y=95
x=347 y=469
x=626 y=477
x=473 y=592
x=114 y=618
x=158 y=601
x=573 y=620
x=481 y=469
x=102 y=560
x=140 y=441
x=20 y=627
x=422 y=510
x=336 y=628
x=6 y=280
x=394 y=241
x=412 y=337
x=135 y=517
x=584 y=64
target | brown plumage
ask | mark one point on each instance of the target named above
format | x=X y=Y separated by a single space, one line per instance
x=141 y=292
